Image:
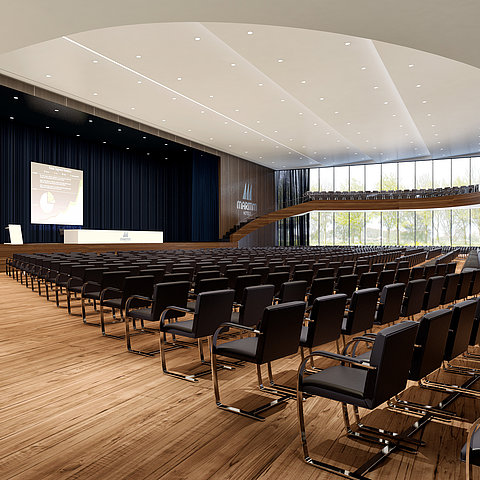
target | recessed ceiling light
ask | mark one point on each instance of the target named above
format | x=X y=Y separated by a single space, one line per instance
x=197 y=38
x=300 y=113
x=282 y=100
x=260 y=157
x=250 y=33
x=237 y=110
x=104 y=142
x=246 y=151
x=356 y=153
x=276 y=146
x=48 y=76
x=78 y=134
x=210 y=96
x=260 y=84
x=132 y=108
x=439 y=141
x=139 y=81
x=119 y=129
x=179 y=78
x=95 y=94
x=367 y=141
x=394 y=114
x=245 y=131
x=349 y=123
x=315 y=124
x=322 y=99
x=15 y=98
x=229 y=145
x=184 y=149
x=280 y=60
x=226 y=123
x=424 y=101
x=303 y=81
x=441 y=149
x=233 y=64
x=289 y=153
x=166 y=158
x=418 y=85
x=90 y=120
x=12 y=118
x=211 y=138
x=327 y=133
x=202 y=111
x=138 y=56
x=148 y=153
x=410 y=65
x=436 y=134
x=347 y=44
x=94 y=61
x=47 y=127
x=348 y=148
x=262 y=139
x=56 y=110
x=174 y=98
x=358 y=133
x=363 y=68
x=258 y=121
x=375 y=87
x=336 y=113
x=275 y=131
x=338 y=141
x=163 y=120
x=385 y=103
x=166 y=144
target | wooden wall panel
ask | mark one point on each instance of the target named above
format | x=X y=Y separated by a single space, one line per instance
x=235 y=173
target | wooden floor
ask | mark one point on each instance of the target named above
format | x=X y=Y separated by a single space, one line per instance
x=76 y=405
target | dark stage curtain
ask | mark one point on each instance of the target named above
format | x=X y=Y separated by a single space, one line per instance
x=291 y=185
x=122 y=190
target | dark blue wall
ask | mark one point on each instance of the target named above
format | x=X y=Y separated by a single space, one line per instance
x=123 y=190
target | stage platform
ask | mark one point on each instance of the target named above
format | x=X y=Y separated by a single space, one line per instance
x=7 y=250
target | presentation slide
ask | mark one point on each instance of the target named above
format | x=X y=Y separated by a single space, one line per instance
x=57 y=195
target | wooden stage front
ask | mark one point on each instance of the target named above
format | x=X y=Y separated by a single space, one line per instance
x=7 y=250
x=76 y=405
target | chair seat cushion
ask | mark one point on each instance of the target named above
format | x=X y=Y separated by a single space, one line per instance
x=242 y=349
x=113 y=302
x=474 y=450
x=184 y=327
x=339 y=383
x=141 y=313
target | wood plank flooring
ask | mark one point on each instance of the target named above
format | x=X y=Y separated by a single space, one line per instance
x=76 y=405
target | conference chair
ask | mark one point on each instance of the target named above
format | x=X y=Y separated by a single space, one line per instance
x=451 y=267
x=292 y=291
x=360 y=269
x=116 y=298
x=233 y=274
x=324 y=323
x=368 y=280
x=429 y=271
x=277 y=279
x=474 y=289
x=254 y=301
x=390 y=304
x=277 y=336
x=441 y=269
x=346 y=284
x=164 y=295
x=206 y=285
x=463 y=288
x=211 y=310
x=386 y=277
x=360 y=384
x=470 y=453
x=449 y=289
x=433 y=293
x=320 y=288
x=325 y=272
x=413 y=299
x=244 y=281
x=344 y=270
x=402 y=275
x=416 y=273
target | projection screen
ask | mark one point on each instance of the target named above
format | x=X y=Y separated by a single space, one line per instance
x=56 y=195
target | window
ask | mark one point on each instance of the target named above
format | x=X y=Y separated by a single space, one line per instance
x=389 y=176
x=406 y=228
x=373 y=177
x=442 y=227
x=442 y=173
x=460 y=171
x=389 y=228
x=342 y=179
x=357 y=228
x=461 y=227
x=423 y=223
x=373 y=222
x=326 y=179
x=406 y=175
x=357 y=178
x=342 y=225
x=423 y=177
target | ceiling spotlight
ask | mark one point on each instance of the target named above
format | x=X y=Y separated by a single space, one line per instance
x=260 y=84
x=174 y=98
x=282 y=100
x=197 y=38
x=385 y=103
x=237 y=110
x=322 y=99
x=139 y=81
x=95 y=94
x=56 y=110
x=78 y=135
x=12 y=118
x=119 y=129
x=48 y=76
x=144 y=138
x=104 y=142
x=347 y=44
x=303 y=81
x=233 y=64
x=179 y=78
x=315 y=124
x=250 y=33
x=375 y=87
x=148 y=153
x=424 y=101
x=128 y=148
x=418 y=85
x=47 y=127
x=336 y=112
x=94 y=61
x=300 y=113
x=363 y=68
x=15 y=98
x=132 y=108
x=202 y=111
x=410 y=65
x=90 y=121
x=138 y=56
x=280 y=60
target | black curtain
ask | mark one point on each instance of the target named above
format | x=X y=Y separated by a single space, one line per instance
x=291 y=186
x=122 y=190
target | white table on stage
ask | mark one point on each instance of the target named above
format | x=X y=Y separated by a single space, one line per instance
x=111 y=236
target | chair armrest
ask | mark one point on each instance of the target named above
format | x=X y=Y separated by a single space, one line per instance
x=174 y=308
x=233 y=325
x=90 y=287
x=367 y=338
x=135 y=297
x=108 y=293
x=74 y=282
x=332 y=356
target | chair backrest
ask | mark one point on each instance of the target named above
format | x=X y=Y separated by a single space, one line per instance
x=325 y=272
x=475 y=335
x=157 y=273
x=368 y=280
x=429 y=271
x=346 y=284
x=449 y=290
x=280 y=326
x=344 y=270
x=244 y=281
x=320 y=288
x=361 y=312
x=113 y=279
x=169 y=294
x=137 y=285
x=463 y=316
x=212 y=309
x=277 y=279
x=254 y=301
x=211 y=284
x=306 y=275
x=377 y=267
x=326 y=319
x=201 y=274
x=402 y=275
x=386 y=277
x=430 y=343
x=416 y=273
x=433 y=293
x=94 y=274
x=390 y=304
x=392 y=354
x=281 y=269
x=441 y=269
x=293 y=291
x=176 y=277
x=361 y=268
x=233 y=274
x=464 y=284
x=474 y=285
x=413 y=299
x=451 y=267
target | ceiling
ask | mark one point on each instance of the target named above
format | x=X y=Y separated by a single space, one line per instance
x=278 y=96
